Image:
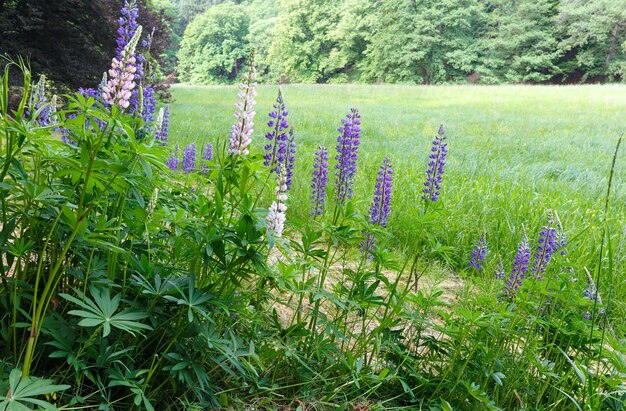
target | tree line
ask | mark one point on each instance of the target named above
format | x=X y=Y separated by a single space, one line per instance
x=405 y=41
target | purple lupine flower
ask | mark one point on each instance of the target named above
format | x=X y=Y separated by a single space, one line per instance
x=545 y=248
x=207 y=155
x=276 y=216
x=347 y=155
x=500 y=272
x=320 y=179
x=479 y=252
x=127 y=26
x=436 y=163
x=276 y=149
x=520 y=268
x=149 y=105
x=379 y=211
x=173 y=161
x=241 y=131
x=291 y=157
x=163 y=125
x=367 y=246
x=207 y=152
x=189 y=158
x=90 y=93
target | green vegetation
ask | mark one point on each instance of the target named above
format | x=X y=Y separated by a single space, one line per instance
x=473 y=266
x=126 y=284
x=429 y=42
x=514 y=152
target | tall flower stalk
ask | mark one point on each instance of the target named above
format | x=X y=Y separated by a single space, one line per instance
x=207 y=155
x=189 y=158
x=436 y=164
x=277 y=216
x=276 y=149
x=121 y=82
x=347 y=156
x=173 y=162
x=520 y=268
x=162 y=125
x=479 y=253
x=546 y=246
x=242 y=129
x=379 y=210
x=320 y=179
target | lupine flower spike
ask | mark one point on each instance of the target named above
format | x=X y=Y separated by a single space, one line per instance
x=347 y=156
x=162 y=125
x=436 y=163
x=520 y=268
x=241 y=131
x=320 y=179
x=379 y=211
x=479 y=253
x=189 y=158
x=207 y=155
x=173 y=161
x=545 y=248
x=122 y=75
x=276 y=149
x=276 y=216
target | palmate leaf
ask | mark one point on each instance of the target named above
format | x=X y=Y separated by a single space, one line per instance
x=24 y=390
x=101 y=312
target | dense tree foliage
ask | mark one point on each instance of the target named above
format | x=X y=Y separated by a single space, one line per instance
x=215 y=46
x=429 y=41
x=71 y=41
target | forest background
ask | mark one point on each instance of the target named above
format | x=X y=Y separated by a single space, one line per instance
x=330 y=41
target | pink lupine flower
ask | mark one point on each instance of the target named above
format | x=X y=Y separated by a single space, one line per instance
x=121 y=82
x=241 y=132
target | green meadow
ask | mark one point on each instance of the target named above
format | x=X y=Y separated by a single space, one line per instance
x=514 y=153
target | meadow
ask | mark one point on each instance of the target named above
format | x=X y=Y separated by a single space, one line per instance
x=132 y=279
x=514 y=153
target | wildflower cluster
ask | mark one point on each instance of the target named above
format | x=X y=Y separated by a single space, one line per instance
x=320 y=179
x=276 y=149
x=241 y=131
x=347 y=156
x=436 y=163
x=546 y=246
x=479 y=253
x=162 y=125
x=520 y=268
x=207 y=155
x=379 y=210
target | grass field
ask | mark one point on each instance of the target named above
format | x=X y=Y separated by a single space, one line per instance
x=514 y=152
